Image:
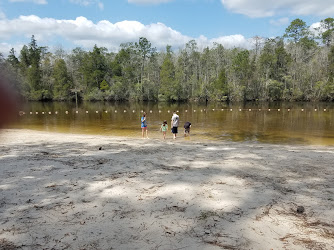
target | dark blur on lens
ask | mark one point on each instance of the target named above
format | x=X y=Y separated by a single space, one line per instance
x=8 y=103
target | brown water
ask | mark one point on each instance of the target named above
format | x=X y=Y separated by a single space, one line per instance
x=209 y=122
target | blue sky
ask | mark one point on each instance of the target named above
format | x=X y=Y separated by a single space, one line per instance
x=83 y=23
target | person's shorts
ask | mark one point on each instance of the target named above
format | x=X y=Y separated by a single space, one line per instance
x=174 y=130
x=143 y=126
x=187 y=130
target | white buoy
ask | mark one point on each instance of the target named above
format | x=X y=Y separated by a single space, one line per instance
x=278 y=110
x=86 y=111
x=77 y=112
x=49 y=113
x=124 y=111
x=194 y=110
x=288 y=110
x=31 y=113
x=168 y=111
x=268 y=109
x=213 y=109
x=96 y=112
x=36 y=113
x=315 y=110
x=259 y=109
x=325 y=110
x=43 y=113
x=222 y=109
x=249 y=109
x=186 y=111
x=66 y=112
x=230 y=109
x=159 y=111
x=302 y=110
x=177 y=111
x=115 y=111
x=151 y=111
x=239 y=109
x=133 y=111
x=106 y=111
x=201 y=110
x=56 y=112
x=142 y=111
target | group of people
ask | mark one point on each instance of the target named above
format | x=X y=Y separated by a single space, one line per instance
x=164 y=126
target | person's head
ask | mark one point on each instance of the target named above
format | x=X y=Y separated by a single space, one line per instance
x=174 y=112
x=165 y=122
x=144 y=114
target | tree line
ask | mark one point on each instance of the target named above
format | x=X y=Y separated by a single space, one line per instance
x=298 y=66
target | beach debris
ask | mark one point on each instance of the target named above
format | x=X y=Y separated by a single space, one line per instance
x=300 y=209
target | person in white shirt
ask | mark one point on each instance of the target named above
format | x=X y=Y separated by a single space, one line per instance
x=174 y=124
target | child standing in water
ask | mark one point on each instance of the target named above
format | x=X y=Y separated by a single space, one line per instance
x=164 y=128
x=144 y=125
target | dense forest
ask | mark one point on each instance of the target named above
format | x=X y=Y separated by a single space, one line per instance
x=298 y=66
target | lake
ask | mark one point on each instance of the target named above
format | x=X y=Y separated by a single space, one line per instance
x=280 y=123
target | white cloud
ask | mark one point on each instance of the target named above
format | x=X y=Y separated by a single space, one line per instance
x=266 y=8
x=85 y=33
x=6 y=47
x=149 y=1
x=2 y=15
x=33 y=1
x=89 y=2
x=280 y=22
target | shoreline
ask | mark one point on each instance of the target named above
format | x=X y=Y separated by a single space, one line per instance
x=60 y=191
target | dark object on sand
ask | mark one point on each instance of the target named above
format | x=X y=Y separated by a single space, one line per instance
x=100 y=148
x=300 y=209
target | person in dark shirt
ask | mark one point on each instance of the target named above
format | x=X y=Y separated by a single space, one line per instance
x=187 y=127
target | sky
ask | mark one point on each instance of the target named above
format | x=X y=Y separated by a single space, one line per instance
x=108 y=23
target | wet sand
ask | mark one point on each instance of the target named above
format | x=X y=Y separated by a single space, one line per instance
x=66 y=191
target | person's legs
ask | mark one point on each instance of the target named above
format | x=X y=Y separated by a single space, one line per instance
x=146 y=133
x=174 y=131
x=164 y=134
x=143 y=131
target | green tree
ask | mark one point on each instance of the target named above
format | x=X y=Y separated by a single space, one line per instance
x=168 y=92
x=296 y=30
x=327 y=25
x=62 y=83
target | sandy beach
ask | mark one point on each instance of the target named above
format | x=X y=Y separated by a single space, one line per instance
x=69 y=191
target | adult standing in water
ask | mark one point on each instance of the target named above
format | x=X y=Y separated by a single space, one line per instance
x=144 y=125
x=174 y=124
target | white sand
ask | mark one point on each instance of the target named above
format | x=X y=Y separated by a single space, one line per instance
x=59 y=191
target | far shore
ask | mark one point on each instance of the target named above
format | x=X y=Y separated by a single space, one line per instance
x=74 y=191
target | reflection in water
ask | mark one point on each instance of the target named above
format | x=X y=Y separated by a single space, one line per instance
x=214 y=122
